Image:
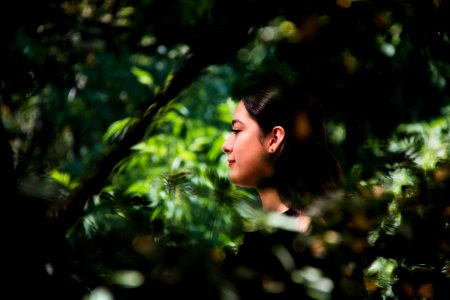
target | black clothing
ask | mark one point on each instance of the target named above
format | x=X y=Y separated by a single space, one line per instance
x=262 y=267
x=271 y=265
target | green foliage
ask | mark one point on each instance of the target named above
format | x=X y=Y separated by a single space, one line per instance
x=77 y=77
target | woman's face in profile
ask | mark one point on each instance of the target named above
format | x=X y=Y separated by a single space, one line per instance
x=247 y=152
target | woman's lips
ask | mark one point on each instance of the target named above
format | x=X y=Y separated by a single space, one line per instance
x=230 y=163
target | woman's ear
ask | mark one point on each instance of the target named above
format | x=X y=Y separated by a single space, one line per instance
x=276 y=138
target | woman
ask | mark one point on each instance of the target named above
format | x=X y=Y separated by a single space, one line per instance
x=278 y=146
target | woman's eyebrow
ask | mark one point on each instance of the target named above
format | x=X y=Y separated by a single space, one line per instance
x=236 y=121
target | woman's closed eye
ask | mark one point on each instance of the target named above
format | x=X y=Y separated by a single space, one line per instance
x=235 y=131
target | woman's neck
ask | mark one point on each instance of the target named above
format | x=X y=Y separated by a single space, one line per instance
x=271 y=200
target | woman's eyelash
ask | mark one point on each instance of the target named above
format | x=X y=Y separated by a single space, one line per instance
x=235 y=131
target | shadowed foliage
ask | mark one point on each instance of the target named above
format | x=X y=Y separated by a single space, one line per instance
x=113 y=114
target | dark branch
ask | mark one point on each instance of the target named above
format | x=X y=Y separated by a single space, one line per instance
x=95 y=178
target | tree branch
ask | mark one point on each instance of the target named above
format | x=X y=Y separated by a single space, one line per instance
x=95 y=178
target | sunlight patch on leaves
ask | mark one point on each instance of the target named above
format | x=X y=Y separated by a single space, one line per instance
x=119 y=128
x=382 y=271
x=426 y=143
x=143 y=76
x=62 y=178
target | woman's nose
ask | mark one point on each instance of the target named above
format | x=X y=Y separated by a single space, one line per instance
x=226 y=146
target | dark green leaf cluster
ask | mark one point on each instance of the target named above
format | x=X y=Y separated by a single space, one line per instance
x=113 y=114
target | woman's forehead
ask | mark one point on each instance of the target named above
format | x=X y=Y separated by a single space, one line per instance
x=241 y=112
